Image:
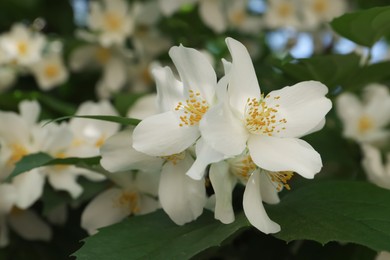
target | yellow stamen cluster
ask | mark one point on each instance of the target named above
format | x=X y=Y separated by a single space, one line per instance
x=22 y=48
x=244 y=167
x=100 y=141
x=103 y=55
x=281 y=179
x=113 y=22
x=174 y=158
x=365 y=123
x=51 y=71
x=129 y=200
x=261 y=119
x=284 y=10
x=18 y=151
x=320 y=6
x=194 y=109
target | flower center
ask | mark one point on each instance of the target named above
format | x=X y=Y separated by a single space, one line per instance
x=22 y=48
x=51 y=71
x=103 y=55
x=129 y=200
x=243 y=167
x=18 y=151
x=285 y=10
x=281 y=179
x=261 y=118
x=174 y=158
x=194 y=108
x=113 y=22
x=99 y=142
x=238 y=17
x=365 y=124
x=320 y=6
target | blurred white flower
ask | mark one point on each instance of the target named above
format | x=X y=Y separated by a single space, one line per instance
x=135 y=193
x=365 y=121
x=378 y=172
x=317 y=12
x=50 y=71
x=90 y=134
x=238 y=17
x=8 y=77
x=282 y=14
x=112 y=20
x=22 y=45
x=383 y=256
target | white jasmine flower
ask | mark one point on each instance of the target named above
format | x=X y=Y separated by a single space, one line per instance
x=268 y=127
x=50 y=71
x=168 y=7
x=135 y=193
x=378 y=172
x=8 y=77
x=317 y=12
x=22 y=45
x=238 y=17
x=282 y=14
x=112 y=20
x=182 y=103
x=181 y=197
x=365 y=121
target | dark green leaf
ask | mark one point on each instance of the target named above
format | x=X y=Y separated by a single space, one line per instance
x=355 y=212
x=364 y=27
x=155 y=236
x=123 y=102
x=369 y=74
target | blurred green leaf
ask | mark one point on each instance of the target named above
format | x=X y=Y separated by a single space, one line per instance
x=364 y=27
x=40 y=159
x=123 y=102
x=114 y=119
x=376 y=72
x=332 y=70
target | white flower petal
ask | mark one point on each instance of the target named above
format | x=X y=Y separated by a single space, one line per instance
x=268 y=189
x=30 y=226
x=7 y=198
x=205 y=155
x=169 y=89
x=147 y=205
x=223 y=131
x=114 y=74
x=30 y=111
x=212 y=15
x=348 y=107
x=284 y=154
x=29 y=187
x=103 y=211
x=119 y=155
x=223 y=184
x=181 y=197
x=254 y=209
x=147 y=182
x=65 y=180
x=161 y=135
x=243 y=83
x=195 y=71
x=303 y=105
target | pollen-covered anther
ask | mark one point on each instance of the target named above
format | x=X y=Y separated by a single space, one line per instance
x=129 y=200
x=261 y=118
x=243 y=167
x=281 y=178
x=193 y=109
x=174 y=158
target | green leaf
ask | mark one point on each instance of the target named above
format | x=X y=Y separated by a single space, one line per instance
x=364 y=27
x=155 y=236
x=29 y=162
x=332 y=70
x=123 y=102
x=114 y=119
x=32 y=161
x=376 y=72
x=355 y=212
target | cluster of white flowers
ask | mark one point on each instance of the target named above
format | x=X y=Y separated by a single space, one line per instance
x=245 y=136
x=220 y=15
x=366 y=122
x=22 y=134
x=24 y=51
x=111 y=23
